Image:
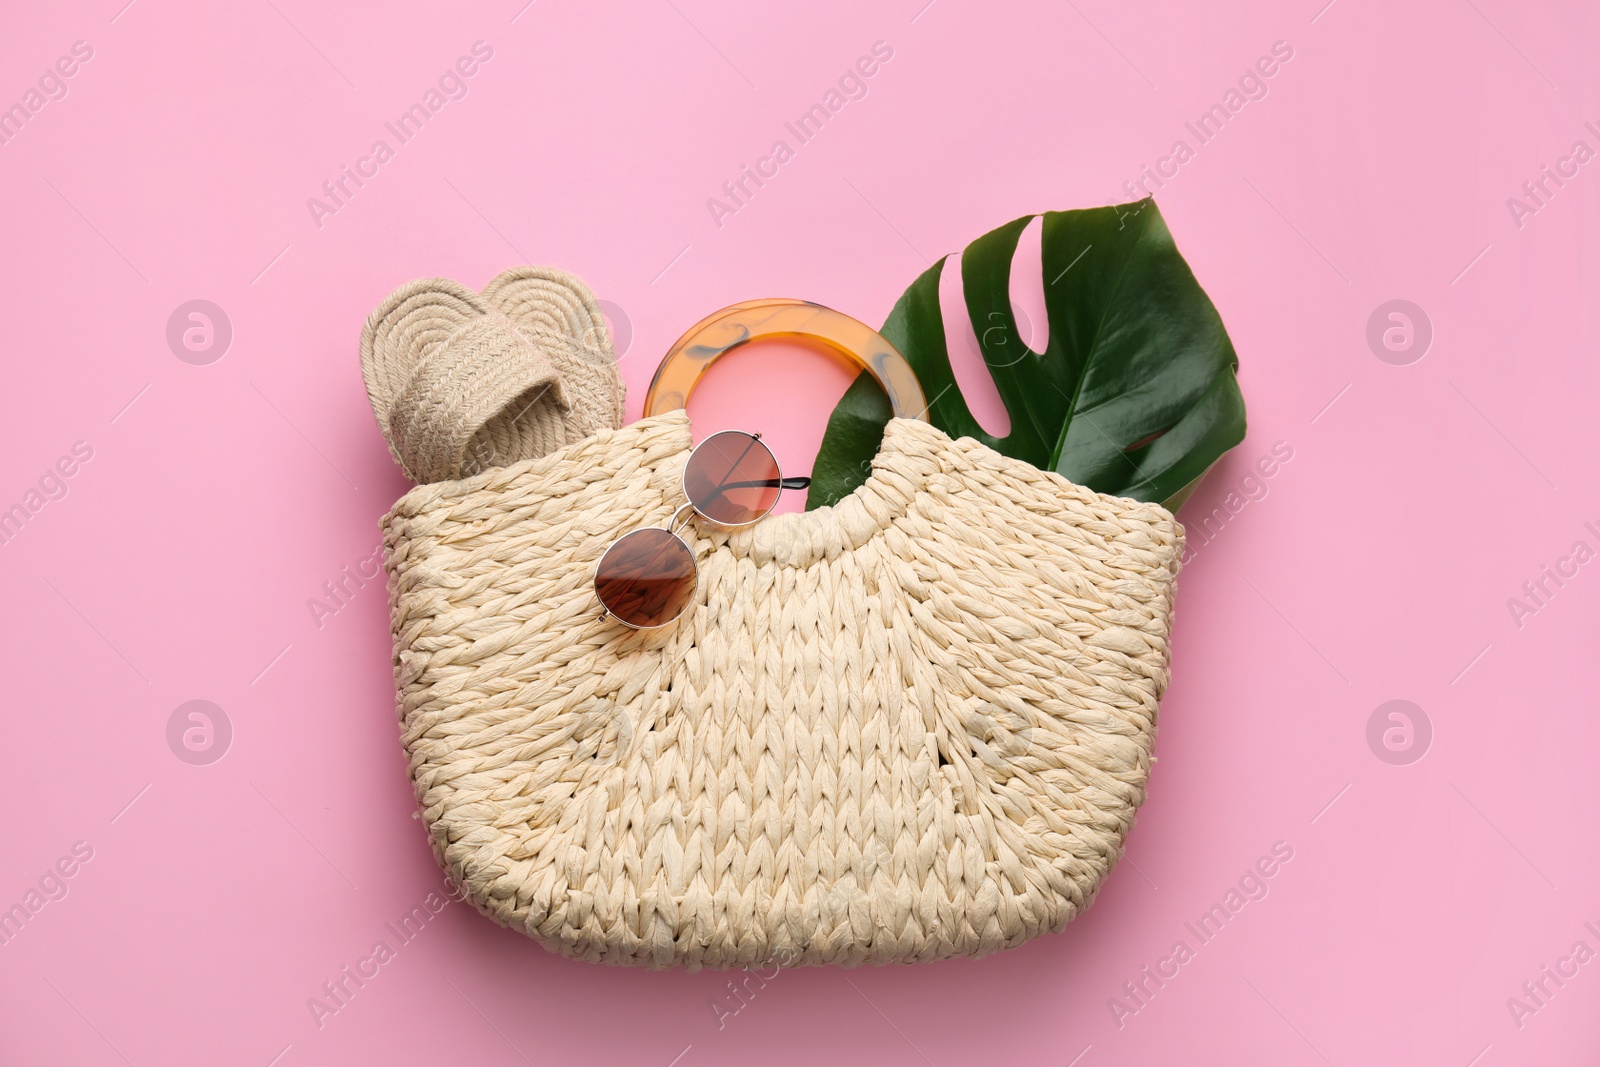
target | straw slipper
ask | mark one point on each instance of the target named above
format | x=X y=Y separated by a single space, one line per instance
x=461 y=381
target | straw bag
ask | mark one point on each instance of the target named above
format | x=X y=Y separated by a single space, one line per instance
x=912 y=726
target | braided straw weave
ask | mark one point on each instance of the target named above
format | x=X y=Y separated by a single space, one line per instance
x=911 y=726
x=463 y=381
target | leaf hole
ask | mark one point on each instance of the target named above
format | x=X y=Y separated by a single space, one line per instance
x=966 y=358
x=1027 y=287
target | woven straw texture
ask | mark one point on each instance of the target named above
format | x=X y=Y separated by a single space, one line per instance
x=463 y=381
x=912 y=726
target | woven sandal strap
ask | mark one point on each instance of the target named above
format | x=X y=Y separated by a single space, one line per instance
x=461 y=385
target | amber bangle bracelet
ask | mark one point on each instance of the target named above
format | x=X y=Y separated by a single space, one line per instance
x=849 y=340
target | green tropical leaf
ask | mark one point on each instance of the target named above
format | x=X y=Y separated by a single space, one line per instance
x=1135 y=393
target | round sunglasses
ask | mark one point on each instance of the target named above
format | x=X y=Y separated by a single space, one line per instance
x=647 y=578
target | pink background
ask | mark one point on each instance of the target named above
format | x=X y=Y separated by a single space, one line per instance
x=220 y=498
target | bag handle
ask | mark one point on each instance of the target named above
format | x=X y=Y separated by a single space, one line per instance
x=851 y=341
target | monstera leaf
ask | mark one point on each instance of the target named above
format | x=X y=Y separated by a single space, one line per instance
x=1134 y=394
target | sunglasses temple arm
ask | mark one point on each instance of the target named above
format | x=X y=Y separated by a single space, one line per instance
x=798 y=482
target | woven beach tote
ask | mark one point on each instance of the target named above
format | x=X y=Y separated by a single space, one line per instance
x=911 y=726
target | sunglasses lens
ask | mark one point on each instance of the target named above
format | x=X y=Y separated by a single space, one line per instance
x=732 y=478
x=646 y=578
